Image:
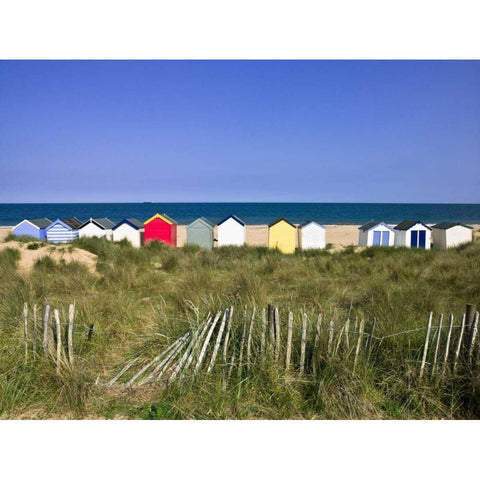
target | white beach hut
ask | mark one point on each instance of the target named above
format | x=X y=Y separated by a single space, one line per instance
x=129 y=229
x=231 y=231
x=97 y=227
x=449 y=235
x=376 y=234
x=412 y=234
x=311 y=235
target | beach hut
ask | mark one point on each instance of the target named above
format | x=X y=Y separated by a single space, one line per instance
x=129 y=229
x=282 y=235
x=376 y=234
x=35 y=227
x=448 y=235
x=161 y=228
x=64 y=230
x=311 y=235
x=200 y=232
x=412 y=234
x=231 y=231
x=96 y=227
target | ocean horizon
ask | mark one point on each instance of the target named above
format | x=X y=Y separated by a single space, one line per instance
x=251 y=213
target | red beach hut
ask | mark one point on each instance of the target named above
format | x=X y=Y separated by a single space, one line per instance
x=161 y=228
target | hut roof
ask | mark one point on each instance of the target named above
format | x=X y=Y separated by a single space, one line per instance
x=407 y=224
x=133 y=222
x=447 y=225
x=372 y=224
x=204 y=220
x=308 y=222
x=103 y=223
x=73 y=222
x=237 y=219
x=38 y=222
x=281 y=219
x=163 y=216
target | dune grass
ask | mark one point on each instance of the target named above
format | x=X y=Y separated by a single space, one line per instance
x=140 y=300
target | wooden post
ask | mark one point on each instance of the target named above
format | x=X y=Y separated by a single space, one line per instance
x=71 y=313
x=459 y=343
x=25 y=328
x=425 y=347
x=347 y=340
x=46 y=318
x=339 y=341
x=59 y=339
x=289 y=341
x=121 y=372
x=34 y=329
x=473 y=336
x=249 y=341
x=264 y=330
x=437 y=343
x=359 y=343
x=447 y=346
x=242 y=344
x=330 y=336
x=227 y=335
x=205 y=344
x=315 y=342
x=271 y=324
x=304 y=342
x=217 y=342
x=276 y=318
x=469 y=316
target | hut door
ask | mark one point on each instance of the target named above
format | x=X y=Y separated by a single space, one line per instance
x=376 y=237
x=385 y=239
x=421 y=239
x=414 y=239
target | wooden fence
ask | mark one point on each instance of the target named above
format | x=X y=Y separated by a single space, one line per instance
x=46 y=333
x=233 y=345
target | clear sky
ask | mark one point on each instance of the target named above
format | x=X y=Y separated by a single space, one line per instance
x=313 y=131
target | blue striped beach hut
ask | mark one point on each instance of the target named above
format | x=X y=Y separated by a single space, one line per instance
x=35 y=227
x=63 y=231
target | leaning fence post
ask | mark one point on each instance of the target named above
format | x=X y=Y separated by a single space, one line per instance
x=303 y=344
x=59 y=338
x=447 y=346
x=71 y=313
x=289 y=341
x=459 y=343
x=437 y=343
x=425 y=348
x=46 y=317
x=25 y=328
x=472 y=337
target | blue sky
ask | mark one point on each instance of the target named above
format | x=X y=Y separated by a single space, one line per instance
x=313 y=131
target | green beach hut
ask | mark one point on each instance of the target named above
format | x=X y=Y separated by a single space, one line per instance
x=200 y=232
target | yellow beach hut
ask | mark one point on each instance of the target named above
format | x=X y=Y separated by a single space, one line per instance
x=282 y=235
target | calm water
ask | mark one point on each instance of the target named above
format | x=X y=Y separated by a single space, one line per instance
x=252 y=213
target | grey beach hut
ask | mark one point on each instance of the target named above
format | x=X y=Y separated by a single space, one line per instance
x=200 y=232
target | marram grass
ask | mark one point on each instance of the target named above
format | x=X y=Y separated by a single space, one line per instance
x=141 y=300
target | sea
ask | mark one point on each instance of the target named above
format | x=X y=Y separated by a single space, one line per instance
x=250 y=213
